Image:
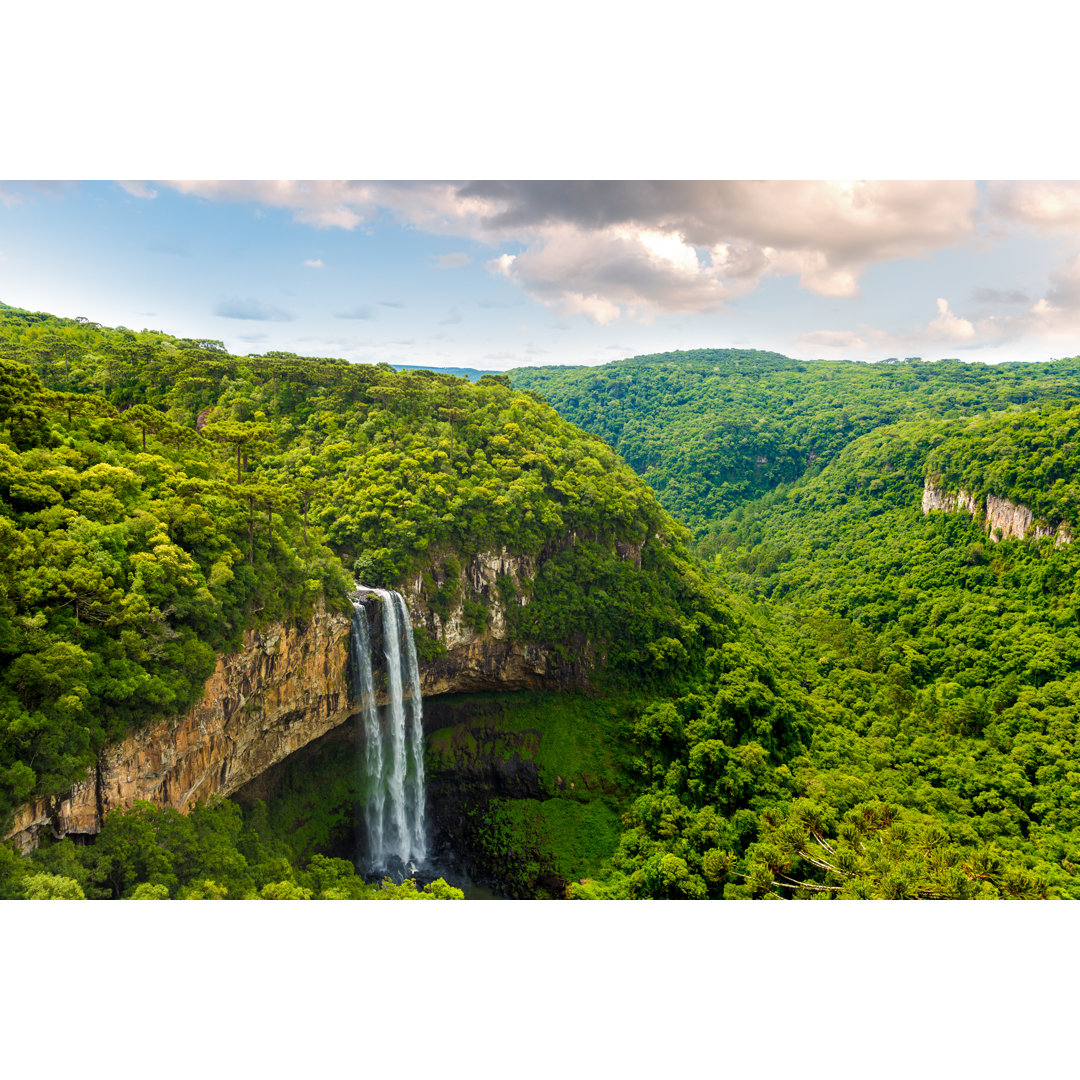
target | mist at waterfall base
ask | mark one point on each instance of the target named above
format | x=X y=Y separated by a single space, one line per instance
x=393 y=833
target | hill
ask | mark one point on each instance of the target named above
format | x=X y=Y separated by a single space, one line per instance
x=710 y=428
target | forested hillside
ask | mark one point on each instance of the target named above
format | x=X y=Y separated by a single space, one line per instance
x=939 y=742
x=828 y=693
x=710 y=428
x=158 y=496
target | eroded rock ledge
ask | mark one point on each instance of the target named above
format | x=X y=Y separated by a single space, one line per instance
x=1001 y=517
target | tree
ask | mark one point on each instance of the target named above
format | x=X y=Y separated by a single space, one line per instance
x=305 y=482
x=52 y=887
x=146 y=419
x=244 y=435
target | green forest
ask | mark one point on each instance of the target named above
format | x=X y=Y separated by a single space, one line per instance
x=804 y=686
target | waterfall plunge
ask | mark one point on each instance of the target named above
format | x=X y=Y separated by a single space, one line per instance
x=393 y=759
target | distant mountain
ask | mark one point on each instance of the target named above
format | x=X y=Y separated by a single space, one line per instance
x=472 y=374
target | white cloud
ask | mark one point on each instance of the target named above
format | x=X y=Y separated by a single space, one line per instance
x=594 y=307
x=950 y=327
x=709 y=240
x=1047 y=205
x=451 y=261
x=615 y=271
x=606 y=248
x=1052 y=318
x=504 y=265
x=315 y=264
x=138 y=188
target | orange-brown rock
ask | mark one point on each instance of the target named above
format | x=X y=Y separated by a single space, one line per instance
x=285 y=687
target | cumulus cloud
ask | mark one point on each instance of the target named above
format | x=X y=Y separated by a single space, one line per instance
x=611 y=248
x=1048 y=205
x=600 y=275
x=1053 y=317
x=690 y=245
x=252 y=309
x=451 y=261
x=950 y=327
x=315 y=264
x=361 y=311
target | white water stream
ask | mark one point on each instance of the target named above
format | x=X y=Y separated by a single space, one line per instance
x=393 y=758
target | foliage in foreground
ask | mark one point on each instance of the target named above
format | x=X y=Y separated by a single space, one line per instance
x=150 y=853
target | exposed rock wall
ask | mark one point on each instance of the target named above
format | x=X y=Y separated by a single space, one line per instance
x=488 y=658
x=936 y=499
x=286 y=686
x=1002 y=517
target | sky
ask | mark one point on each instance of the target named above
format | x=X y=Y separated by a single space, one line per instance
x=500 y=274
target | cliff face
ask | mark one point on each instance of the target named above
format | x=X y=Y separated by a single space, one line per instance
x=1002 y=518
x=477 y=652
x=288 y=686
x=285 y=687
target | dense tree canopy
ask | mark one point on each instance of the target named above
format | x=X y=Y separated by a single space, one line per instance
x=833 y=693
x=710 y=428
x=158 y=496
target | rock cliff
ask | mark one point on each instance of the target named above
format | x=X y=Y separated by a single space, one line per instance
x=1002 y=517
x=475 y=650
x=284 y=688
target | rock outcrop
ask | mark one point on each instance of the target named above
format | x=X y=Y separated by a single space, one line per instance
x=285 y=687
x=477 y=648
x=1002 y=517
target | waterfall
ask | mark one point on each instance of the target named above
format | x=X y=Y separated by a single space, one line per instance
x=393 y=759
x=364 y=692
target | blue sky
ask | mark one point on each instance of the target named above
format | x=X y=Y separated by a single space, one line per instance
x=497 y=275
